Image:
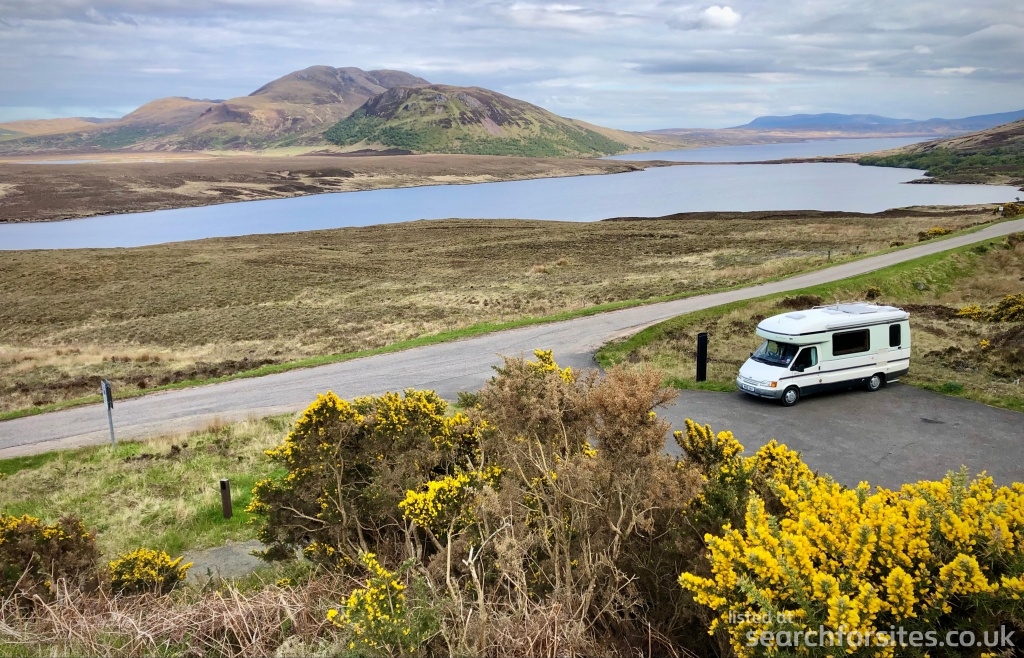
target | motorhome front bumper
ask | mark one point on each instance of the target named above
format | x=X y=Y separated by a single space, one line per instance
x=759 y=388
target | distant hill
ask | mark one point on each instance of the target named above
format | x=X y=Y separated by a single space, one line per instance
x=293 y=109
x=51 y=126
x=823 y=120
x=994 y=155
x=446 y=119
x=875 y=124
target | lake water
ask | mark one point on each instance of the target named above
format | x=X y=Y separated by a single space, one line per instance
x=651 y=193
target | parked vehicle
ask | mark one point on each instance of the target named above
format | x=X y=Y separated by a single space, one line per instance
x=827 y=348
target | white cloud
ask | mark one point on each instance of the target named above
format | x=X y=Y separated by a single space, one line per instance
x=922 y=50
x=720 y=17
x=951 y=71
x=715 y=17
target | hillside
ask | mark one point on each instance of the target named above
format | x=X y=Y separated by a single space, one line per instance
x=471 y=120
x=293 y=109
x=50 y=126
x=995 y=156
x=154 y=119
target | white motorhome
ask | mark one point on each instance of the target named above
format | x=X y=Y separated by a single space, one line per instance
x=825 y=348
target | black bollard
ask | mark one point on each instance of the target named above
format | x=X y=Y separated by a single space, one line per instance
x=702 y=356
x=225 y=498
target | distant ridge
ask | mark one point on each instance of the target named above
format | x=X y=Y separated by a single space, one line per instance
x=876 y=123
x=829 y=119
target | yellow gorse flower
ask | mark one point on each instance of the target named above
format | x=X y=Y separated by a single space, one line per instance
x=146 y=570
x=858 y=560
x=442 y=504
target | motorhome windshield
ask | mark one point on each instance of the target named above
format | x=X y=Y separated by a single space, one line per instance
x=774 y=353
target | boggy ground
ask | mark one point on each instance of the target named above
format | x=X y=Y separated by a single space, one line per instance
x=951 y=354
x=45 y=192
x=155 y=316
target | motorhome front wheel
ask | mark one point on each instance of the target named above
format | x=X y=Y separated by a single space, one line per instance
x=791 y=396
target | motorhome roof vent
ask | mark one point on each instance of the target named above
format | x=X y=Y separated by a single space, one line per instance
x=795 y=316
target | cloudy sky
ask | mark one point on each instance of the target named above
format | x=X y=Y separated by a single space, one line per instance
x=636 y=65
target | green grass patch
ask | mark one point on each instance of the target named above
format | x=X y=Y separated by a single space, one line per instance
x=161 y=494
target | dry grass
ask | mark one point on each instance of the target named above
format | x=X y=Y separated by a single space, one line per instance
x=948 y=353
x=270 y=620
x=154 y=316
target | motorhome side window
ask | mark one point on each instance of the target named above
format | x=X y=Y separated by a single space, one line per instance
x=851 y=342
x=895 y=335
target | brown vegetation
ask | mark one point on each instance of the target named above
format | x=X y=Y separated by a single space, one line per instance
x=157 y=315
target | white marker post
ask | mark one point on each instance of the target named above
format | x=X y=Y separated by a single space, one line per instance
x=108 y=399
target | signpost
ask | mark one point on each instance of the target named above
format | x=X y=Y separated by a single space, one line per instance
x=108 y=399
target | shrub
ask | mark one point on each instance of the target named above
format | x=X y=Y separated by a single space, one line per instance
x=873 y=292
x=379 y=615
x=348 y=467
x=505 y=510
x=34 y=555
x=1009 y=309
x=930 y=556
x=933 y=232
x=1013 y=209
x=145 y=570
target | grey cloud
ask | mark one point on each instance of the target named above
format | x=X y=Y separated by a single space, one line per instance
x=624 y=64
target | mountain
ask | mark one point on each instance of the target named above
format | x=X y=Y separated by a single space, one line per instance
x=293 y=109
x=472 y=120
x=874 y=124
x=994 y=155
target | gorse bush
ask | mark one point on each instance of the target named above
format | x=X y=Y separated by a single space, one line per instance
x=1009 y=309
x=34 y=555
x=932 y=556
x=146 y=571
x=507 y=513
x=545 y=517
x=379 y=615
x=349 y=466
x=934 y=232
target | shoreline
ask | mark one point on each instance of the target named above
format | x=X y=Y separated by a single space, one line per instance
x=123 y=187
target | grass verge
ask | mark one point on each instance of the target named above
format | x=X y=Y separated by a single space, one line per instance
x=161 y=494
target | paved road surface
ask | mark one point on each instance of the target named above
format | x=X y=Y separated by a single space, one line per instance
x=826 y=432
x=896 y=435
